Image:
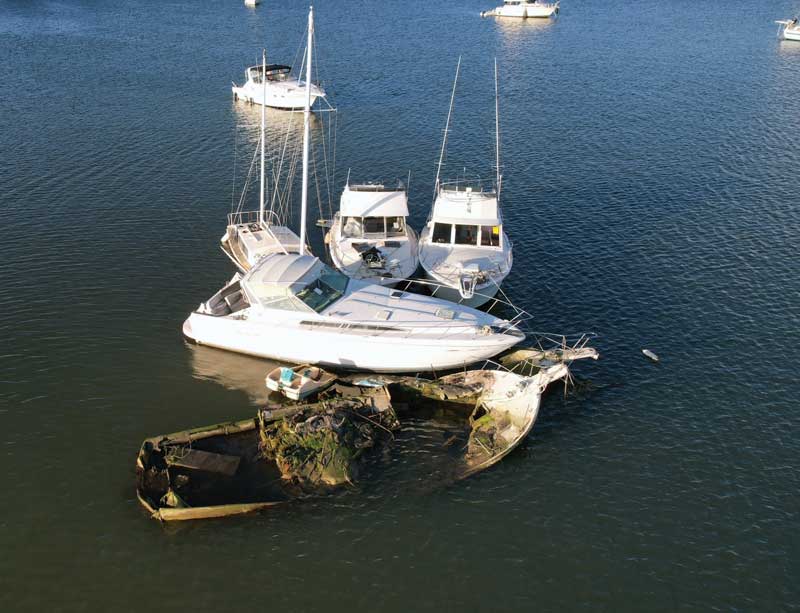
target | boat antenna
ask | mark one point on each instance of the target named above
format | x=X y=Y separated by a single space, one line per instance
x=446 y=130
x=497 y=130
x=306 y=134
x=263 y=135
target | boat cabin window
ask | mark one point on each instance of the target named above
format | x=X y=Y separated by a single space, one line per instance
x=374 y=225
x=352 y=227
x=466 y=235
x=490 y=236
x=395 y=226
x=441 y=232
x=359 y=227
x=325 y=290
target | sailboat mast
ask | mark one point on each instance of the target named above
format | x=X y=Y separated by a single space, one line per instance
x=446 y=130
x=263 y=135
x=497 y=131
x=306 y=133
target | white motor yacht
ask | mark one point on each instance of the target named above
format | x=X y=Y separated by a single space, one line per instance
x=369 y=238
x=280 y=89
x=523 y=9
x=294 y=308
x=791 y=29
x=463 y=246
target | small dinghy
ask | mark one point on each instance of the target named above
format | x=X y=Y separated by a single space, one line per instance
x=300 y=381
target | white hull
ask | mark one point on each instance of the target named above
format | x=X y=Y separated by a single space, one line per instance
x=523 y=11
x=279 y=95
x=791 y=34
x=356 y=350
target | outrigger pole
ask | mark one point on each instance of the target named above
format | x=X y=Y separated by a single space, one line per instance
x=446 y=130
x=497 y=130
x=263 y=136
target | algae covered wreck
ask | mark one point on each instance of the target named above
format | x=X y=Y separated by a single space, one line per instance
x=293 y=450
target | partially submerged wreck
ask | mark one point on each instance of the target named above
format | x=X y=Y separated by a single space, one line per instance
x=294 y=450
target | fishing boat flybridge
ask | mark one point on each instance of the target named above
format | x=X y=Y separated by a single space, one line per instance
x=369 y=238
x=463 y=246
x=294 y=308
x=279 y=89
x=251 y=235
x=791 y=29
x=523 y=9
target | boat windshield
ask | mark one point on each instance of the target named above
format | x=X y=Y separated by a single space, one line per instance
x=324 y=290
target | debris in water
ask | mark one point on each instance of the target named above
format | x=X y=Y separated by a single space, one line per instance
x=650 y=355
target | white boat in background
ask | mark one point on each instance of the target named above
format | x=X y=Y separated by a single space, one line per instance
x=463 y=246
x=252 y=3
x=251 y=235
x=523 y=9
x=293 y=308
x=791 y=29
x=280 y=89
x=370 y=239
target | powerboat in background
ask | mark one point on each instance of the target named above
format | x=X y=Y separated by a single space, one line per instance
x=523 y=9
x=370 y=238
x=791 y=29
x=278 y=90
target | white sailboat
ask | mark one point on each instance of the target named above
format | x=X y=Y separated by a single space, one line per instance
x=294 y=308
x=791 y=29
x=251 y=235
x=463 y=246
x=523 y=9
x=370 y=238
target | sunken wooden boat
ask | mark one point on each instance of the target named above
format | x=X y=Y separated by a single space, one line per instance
x=212 y=471
x=288 y=451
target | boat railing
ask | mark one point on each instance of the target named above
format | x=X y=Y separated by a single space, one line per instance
x=247 y=217
x=464 y=184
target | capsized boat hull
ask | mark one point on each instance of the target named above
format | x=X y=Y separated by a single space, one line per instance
x=356 y=350
x=791 y=34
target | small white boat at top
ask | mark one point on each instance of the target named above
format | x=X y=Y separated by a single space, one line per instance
x=463 y=246
x=300 y=381
x=791 y=29
x=523 y=9
x=370 y=239
x=280 y=89
x=252 y=3
x=293 y=308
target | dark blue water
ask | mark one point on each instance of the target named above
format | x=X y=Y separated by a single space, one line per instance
x=650 y=166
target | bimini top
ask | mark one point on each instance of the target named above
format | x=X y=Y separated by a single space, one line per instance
x=271 y=68
x=373 y=201
x=279 y=274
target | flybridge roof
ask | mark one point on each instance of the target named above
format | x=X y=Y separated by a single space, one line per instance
x=373 y=201
x=467 y=207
